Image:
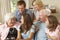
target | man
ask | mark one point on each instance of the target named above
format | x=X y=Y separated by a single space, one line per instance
x=21 y=10
x=41 y=35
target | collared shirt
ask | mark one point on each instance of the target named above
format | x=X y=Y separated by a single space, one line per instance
x=40 y=35
x=18 y=15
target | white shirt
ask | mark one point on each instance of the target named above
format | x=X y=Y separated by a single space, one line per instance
x=4 y=30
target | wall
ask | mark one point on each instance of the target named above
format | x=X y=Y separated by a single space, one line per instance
x=0 y=12
x=4 y=8
x=56 y=3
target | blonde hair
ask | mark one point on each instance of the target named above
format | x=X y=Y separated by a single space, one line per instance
x=39 y=3
x=8 y=16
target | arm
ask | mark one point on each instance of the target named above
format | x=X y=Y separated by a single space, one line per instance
x=51 y=37
x=30 y=36
x=58 y=28
x=0 y=33
x=0 y=36
x=18 y=35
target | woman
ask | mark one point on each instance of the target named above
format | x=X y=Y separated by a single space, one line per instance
x=39 y=6
x=52 y=29
x=27 y=28
x=7 y=29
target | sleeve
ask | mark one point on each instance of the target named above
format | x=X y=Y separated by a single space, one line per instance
x=36 y=23
x=17 y=26
x=32 y=29
x=0 y=30
x=1 y=27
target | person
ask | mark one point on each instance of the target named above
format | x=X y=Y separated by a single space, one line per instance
x=52 y=29
x=27 y=28
x=7 y=29
x=39 y=6
x=21 y=10
x=40 y=34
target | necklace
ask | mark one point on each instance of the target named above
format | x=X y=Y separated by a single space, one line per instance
x=11 y=30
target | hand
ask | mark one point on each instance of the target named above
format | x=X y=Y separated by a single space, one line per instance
x=36 y=29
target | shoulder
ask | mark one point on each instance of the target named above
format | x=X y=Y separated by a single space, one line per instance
x=28 y=11
x=32 y=29
x=2 y=26
x=16 y=11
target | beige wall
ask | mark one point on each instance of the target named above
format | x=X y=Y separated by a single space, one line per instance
x=4 y=8
x=0 y=13
x=56 y=3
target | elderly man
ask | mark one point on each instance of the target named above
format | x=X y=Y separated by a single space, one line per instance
x=41 y=35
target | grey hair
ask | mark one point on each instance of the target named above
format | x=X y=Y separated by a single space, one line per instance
x=8 y=16
x=45 y=12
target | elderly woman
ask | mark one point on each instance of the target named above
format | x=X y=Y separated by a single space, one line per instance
x=8 y=29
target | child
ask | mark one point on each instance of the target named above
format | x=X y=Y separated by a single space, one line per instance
x=52 y=27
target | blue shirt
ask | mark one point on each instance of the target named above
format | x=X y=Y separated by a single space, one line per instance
x=18 y=15
x=40 y=35
x=26 y=35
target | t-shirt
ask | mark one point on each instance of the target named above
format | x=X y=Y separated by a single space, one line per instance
x=25 y=35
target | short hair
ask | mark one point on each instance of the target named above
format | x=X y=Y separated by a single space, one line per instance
x=39 y=3
x=8 y=16
x=21 y=2
x=45 y=12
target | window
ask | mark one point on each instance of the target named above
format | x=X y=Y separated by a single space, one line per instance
x=13 y=5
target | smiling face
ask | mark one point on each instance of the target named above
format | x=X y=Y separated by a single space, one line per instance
x=36 y=7
x=11 y=22
x=42 y=17
x=21 y=8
